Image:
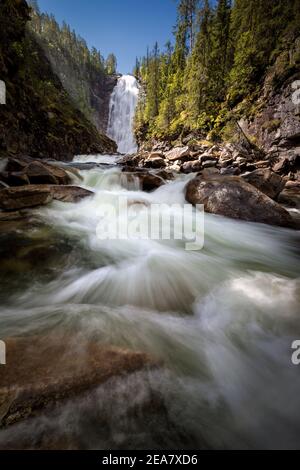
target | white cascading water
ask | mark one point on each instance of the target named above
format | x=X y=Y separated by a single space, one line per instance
x=221 y=320
x=121 y=114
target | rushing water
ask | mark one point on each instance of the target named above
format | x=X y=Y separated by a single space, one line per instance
x=121 y=113
x=221 y=320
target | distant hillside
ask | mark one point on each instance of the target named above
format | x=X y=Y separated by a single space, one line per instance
x=87 y=77
x=39 y=117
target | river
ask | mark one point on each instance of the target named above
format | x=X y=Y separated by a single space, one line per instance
x=221 y=320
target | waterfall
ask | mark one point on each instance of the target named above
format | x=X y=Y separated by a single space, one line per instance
x=121 y=114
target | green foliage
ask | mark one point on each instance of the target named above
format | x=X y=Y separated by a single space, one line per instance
x=219 y=61
x=78 y=67
x=111 y=64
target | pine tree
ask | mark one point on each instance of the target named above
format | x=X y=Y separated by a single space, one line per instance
x=198 y=69
x=111 y=64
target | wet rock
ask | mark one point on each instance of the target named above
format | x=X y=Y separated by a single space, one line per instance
x=177 y=153
x=231 y=171
x=42 y=372
x=207 y=156
x=156 y=162
x=21 y=197
x=191 y=167
x=69 y=193
x=15 y=178
x=156 y=154
x=290 y=196
x=165 y=174
x=147 y=181
x=209 y=163
x=262 y=164
x=233 y=197
x=36 y=172
x=266 y=181
x=283 y=166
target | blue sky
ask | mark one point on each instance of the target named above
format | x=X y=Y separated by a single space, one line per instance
x=125 y=27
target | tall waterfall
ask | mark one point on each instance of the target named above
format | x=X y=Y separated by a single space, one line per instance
x=121 y=114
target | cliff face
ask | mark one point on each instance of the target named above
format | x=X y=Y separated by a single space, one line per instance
x=39 y=117
x=80 y=69
x=276 y=124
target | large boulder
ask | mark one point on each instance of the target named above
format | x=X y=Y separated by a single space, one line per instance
x=177 y=153
x=22 y=197
x=266 y=181
x=233 y=197
x=291 y=194
x=156 y=162
x=191 y=167
x=36 y=172
x=42 y=372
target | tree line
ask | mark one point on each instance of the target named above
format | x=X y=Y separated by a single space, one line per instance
x=218 y=61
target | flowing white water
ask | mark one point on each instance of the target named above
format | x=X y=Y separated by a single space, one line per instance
x=221 y=320
x=121 y=114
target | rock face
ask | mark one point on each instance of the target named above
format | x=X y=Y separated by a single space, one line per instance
x=14 y=199
x=177 y=153
x=22 y=197
x=291 y=194
x=36 y=172
x=266 y=181
x=147 y=181
x=276 y=126
x=232 y=197
x=42 y=372
x=40 y=119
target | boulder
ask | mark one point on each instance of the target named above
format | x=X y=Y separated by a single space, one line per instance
x=233 y=197
x=282 y=166
x=191 y=167
x=21 y=197
x=231 y=171
x=15 y=178
x=266 y=181
x=209 y=163
x=36 y=172
x=290 y=196
x=147 y=181
x=165 y=174
x=262 y=164
x=207 y=156
x=156 y=162
x=42 y=372
x=156 y=154
x=177 y=153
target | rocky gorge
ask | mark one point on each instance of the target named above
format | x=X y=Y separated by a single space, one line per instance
x=135 y=343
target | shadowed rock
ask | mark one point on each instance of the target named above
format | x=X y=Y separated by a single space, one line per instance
x=266 y=181
x=233 y=197
x=21 y=197
x=41 y=372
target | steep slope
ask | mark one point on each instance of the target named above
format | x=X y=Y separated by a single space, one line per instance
x=82 y=71
x=39 y=117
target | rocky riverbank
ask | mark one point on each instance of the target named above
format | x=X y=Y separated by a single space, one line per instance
x=272 y=180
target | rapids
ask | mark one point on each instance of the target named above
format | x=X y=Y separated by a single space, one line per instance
x=221 y=320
